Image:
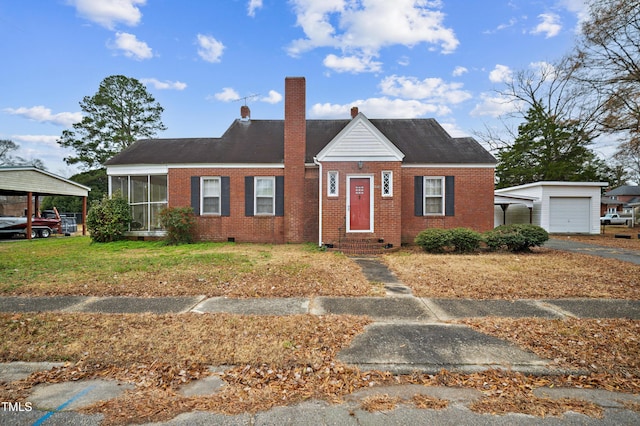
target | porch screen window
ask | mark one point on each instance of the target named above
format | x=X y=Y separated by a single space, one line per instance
x=265 y=200
x=211 y=195
x=332 y=184
x=147 y=196
x=387 y=184
x=433 y=195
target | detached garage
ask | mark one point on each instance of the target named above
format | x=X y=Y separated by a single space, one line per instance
x=558 y=207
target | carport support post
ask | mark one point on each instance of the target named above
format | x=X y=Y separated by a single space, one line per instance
x=29 y=213
x=504 y=208
x=84 y=215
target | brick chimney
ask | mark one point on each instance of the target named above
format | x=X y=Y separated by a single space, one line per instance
x=354 y=112
x=295 y=140
x=245 y=112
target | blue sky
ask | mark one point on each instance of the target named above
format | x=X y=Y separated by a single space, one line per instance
x=439 y=59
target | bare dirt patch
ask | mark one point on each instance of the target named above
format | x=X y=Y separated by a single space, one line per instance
x=543 y=273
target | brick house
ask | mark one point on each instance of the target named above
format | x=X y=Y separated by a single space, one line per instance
x=297 y=180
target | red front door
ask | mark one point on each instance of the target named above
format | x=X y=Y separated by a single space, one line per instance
x=359 y=204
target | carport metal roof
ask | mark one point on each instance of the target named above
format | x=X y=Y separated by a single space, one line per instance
x=22 y=180
x=31 y=181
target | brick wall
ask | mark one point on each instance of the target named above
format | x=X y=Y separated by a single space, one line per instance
x=259 y=229
x=473 y=201
x=387 y=219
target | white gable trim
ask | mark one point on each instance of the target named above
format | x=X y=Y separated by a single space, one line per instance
x=450 y=166
x=360 y=140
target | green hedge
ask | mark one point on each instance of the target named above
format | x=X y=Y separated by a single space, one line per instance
x=459 y=240
x=514 y=238
x=180 y=223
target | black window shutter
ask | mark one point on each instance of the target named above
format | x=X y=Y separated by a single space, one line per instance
x=225 y=189
x=195 y=194
x=279 y=195
x=248 y=196
x=418 y=200
x=449 y=192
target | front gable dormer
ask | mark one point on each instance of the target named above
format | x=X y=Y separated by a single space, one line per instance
x=360 y=140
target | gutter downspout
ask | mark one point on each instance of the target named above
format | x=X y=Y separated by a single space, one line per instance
x=316 y=162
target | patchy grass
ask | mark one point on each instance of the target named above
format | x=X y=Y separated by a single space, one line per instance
x=75 y=266
x=544 y=273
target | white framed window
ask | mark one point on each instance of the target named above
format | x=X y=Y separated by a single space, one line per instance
x=332 y=184
x=433 y=195
x=210 y=194
x=387 y=184
x=265 y=195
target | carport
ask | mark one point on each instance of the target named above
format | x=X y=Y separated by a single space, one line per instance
x=33 y=182
x=506 y=200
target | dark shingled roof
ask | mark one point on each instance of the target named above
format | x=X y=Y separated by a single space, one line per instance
x=625 y=190
x=423 y=141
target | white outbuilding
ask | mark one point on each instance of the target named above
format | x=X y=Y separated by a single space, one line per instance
x=558 y=207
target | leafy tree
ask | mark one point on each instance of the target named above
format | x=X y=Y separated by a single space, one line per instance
x=121 y=112
x=547 y=148
x=95 y=179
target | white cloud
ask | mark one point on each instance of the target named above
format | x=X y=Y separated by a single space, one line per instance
x=361 y=29
x=493 y=105
x=131 y=46
x=351 y=64
x=209 y=49
x=579 y=7
x=432 y=89
x=253 y=6
x=49 y=140
x=379 y=108
x=500 y=74
x=227 y=95
x=453 y=129
x=550 y=25
x=458 y=71
x=501 y=27
x=43 y=115
x=273 y=97
x=164 y=85
x=108 y=13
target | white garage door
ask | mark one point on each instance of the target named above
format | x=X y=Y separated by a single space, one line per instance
x=569 y=214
